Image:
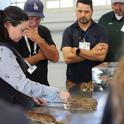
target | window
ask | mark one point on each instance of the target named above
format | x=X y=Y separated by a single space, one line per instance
x=19 y=3
x=54 y=4
x=59 y=4
x=101 y=2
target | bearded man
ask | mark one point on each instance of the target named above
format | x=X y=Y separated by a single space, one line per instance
x=113 y=21
x=84 y=45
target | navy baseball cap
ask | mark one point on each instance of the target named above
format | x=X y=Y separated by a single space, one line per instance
x=34 y=8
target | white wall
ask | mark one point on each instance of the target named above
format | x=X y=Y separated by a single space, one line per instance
x=4 y=3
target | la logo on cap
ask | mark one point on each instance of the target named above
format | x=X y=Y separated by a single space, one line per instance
x=35 y=6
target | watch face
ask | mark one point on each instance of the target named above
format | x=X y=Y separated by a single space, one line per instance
x=77 y=51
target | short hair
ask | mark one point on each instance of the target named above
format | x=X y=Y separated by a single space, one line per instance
x=88 y=2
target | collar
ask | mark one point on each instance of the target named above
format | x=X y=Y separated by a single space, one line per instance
x=118 y=17
x=114 y=17
x=78 y=27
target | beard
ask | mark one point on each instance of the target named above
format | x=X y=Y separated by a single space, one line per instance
x=84 y=20
x=119 y=12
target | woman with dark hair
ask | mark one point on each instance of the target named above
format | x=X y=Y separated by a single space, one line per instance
x=13 y=24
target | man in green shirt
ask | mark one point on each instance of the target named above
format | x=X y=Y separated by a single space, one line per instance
x=114 y=24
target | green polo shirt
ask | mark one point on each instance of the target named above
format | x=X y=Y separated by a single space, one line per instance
x=115 y=34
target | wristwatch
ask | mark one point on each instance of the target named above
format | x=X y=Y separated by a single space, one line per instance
x=78 y=51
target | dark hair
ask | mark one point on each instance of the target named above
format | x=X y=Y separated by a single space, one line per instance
x=88 y=2
x=14 y=15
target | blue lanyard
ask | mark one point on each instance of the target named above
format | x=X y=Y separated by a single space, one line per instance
x=85 y=33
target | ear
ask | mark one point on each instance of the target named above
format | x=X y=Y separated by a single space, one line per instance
x=7 y=24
